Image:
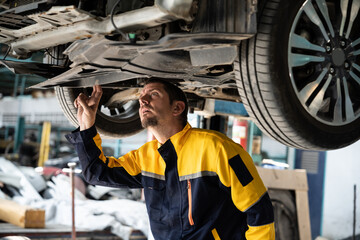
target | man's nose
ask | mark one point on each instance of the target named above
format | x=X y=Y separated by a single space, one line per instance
x=144 y=100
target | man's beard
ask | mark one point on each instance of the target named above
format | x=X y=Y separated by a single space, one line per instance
x=149 y=122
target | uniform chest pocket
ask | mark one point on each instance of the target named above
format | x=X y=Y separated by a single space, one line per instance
x=154 y=190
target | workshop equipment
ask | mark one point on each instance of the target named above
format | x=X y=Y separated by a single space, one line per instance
x=71 y=170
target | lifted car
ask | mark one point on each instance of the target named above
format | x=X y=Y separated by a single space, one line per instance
x=295 y=65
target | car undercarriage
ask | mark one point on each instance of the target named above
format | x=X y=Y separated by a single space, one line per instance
x=295 y=66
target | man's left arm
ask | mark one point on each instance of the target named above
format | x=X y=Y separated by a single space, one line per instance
x=260 y=218
x=237 y=171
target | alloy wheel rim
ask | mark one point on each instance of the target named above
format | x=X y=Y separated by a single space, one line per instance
x=125 y=112
x=117 y=111
x=324 y=60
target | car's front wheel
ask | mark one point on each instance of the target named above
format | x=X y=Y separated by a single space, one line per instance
x=299 y=77
x=117 y=116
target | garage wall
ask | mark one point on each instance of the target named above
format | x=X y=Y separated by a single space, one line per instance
x=34 y=111
x=341 y=173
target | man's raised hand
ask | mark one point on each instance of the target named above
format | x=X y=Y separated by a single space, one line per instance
x=87 y=107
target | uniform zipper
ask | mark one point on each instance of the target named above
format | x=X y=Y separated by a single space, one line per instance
x=191 y=221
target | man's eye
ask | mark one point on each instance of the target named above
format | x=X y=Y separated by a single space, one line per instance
x=154 y=94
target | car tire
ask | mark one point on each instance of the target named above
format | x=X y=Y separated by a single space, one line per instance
x=285 y=214
x=273 y=75
x=120 y=126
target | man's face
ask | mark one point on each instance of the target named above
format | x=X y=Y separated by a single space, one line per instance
x=155 y=105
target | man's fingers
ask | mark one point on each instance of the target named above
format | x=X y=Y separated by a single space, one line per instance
x=82 y=100
x=97 y=89
x=80 y=111
x=98 y=93
x=95 y=95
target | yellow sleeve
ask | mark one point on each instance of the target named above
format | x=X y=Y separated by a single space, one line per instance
x=261 y=232
x=129 y=161
x=237 y=171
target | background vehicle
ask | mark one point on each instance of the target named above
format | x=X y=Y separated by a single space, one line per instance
x=294 y=64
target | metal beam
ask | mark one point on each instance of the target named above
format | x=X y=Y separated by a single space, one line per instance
x=19 y=133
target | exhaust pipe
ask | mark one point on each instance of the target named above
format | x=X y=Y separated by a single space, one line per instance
x=61 y=25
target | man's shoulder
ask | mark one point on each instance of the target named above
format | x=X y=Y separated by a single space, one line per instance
x=208 y=134
x=151 y=145
x=212 y=136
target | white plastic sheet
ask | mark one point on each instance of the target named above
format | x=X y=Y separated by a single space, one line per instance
x=26 y=190
x=122 y=215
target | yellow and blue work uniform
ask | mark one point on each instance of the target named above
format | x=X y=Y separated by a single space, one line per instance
x=198 y=185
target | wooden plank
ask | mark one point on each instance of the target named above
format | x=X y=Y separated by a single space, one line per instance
x=22 y=216
x=302 y=206
x=284 y=179
x=291 y=180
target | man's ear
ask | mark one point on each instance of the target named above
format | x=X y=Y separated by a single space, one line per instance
x=178 y=108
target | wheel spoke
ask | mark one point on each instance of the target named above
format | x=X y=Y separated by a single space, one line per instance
x=344 y=7
x=356 y=52
x=311 y=13
x=354 y=11
x=357 y=67
x=316 y=104
x=356 y=42
x=355 y=77
x=301 y=42
x=301 y=59
x=121 y=109
x=338 y=104
x=349 y=111
x=306 y=92
x=113 y=112
x=325 y=12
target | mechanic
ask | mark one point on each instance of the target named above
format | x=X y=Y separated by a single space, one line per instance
x=198 y=184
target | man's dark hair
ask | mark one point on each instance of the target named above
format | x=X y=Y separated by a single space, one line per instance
x=175 y=94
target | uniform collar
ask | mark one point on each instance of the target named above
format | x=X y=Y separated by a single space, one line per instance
x=179 y=138
x=176 y=139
